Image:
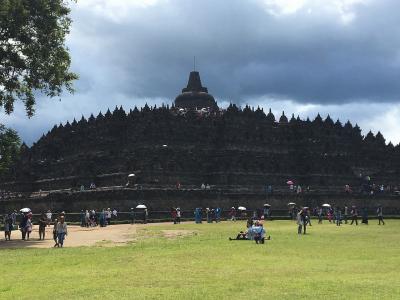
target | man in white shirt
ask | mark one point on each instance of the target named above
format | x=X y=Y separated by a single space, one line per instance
x=48 y=216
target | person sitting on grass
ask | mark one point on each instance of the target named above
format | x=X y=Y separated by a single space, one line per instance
x=242 y=235
x=259 y=233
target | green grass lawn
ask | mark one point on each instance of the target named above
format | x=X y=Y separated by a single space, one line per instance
x=330 y=262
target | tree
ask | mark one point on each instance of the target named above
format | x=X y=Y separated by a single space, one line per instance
x=33 y=55
x=10 y=144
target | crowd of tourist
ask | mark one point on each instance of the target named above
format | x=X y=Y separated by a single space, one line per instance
x=336 y=215
x=90 y=218
x=211 y=215
x=255 y=228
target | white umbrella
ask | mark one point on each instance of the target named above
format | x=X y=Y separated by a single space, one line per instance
x=241 y=208
x=25 y=210
x=141 y=206
x=326 y=205
x=267 y=205
x=131 y=175
x=291 y=204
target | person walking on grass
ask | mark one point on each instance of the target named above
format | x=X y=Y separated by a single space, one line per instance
x=354 y=215
x=232 y=214
x=379 y=212
x=299 y=221
x=346 y=211
x=320 y=215
x=338 y=216
x=61 y=231
x=43 y=221
x=307 y=216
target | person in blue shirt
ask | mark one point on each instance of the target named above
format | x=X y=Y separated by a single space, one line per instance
x=217 y=214
x=197 y=215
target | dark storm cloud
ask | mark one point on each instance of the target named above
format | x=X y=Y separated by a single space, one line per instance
x=342 y=60
x=244 y=52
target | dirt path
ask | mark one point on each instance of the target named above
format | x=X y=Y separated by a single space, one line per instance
x=113 y=235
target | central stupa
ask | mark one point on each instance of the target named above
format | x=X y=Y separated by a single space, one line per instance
x=195 y=96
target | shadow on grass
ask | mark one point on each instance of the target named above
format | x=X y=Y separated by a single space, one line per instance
x=31 y=243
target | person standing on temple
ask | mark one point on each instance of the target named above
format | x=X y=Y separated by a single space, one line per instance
x=354 y=215
x=379 y=212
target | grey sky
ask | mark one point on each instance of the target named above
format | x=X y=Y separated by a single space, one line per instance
x=303 y=56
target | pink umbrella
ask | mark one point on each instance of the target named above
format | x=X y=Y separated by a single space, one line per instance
x=289 y=182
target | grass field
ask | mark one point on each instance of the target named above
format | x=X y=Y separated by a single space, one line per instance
x=330 y=262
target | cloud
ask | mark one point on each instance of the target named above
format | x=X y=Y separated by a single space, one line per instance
x=303 y=56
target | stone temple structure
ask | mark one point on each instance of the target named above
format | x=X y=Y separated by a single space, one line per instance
x=246 y=155
x=195 y=96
